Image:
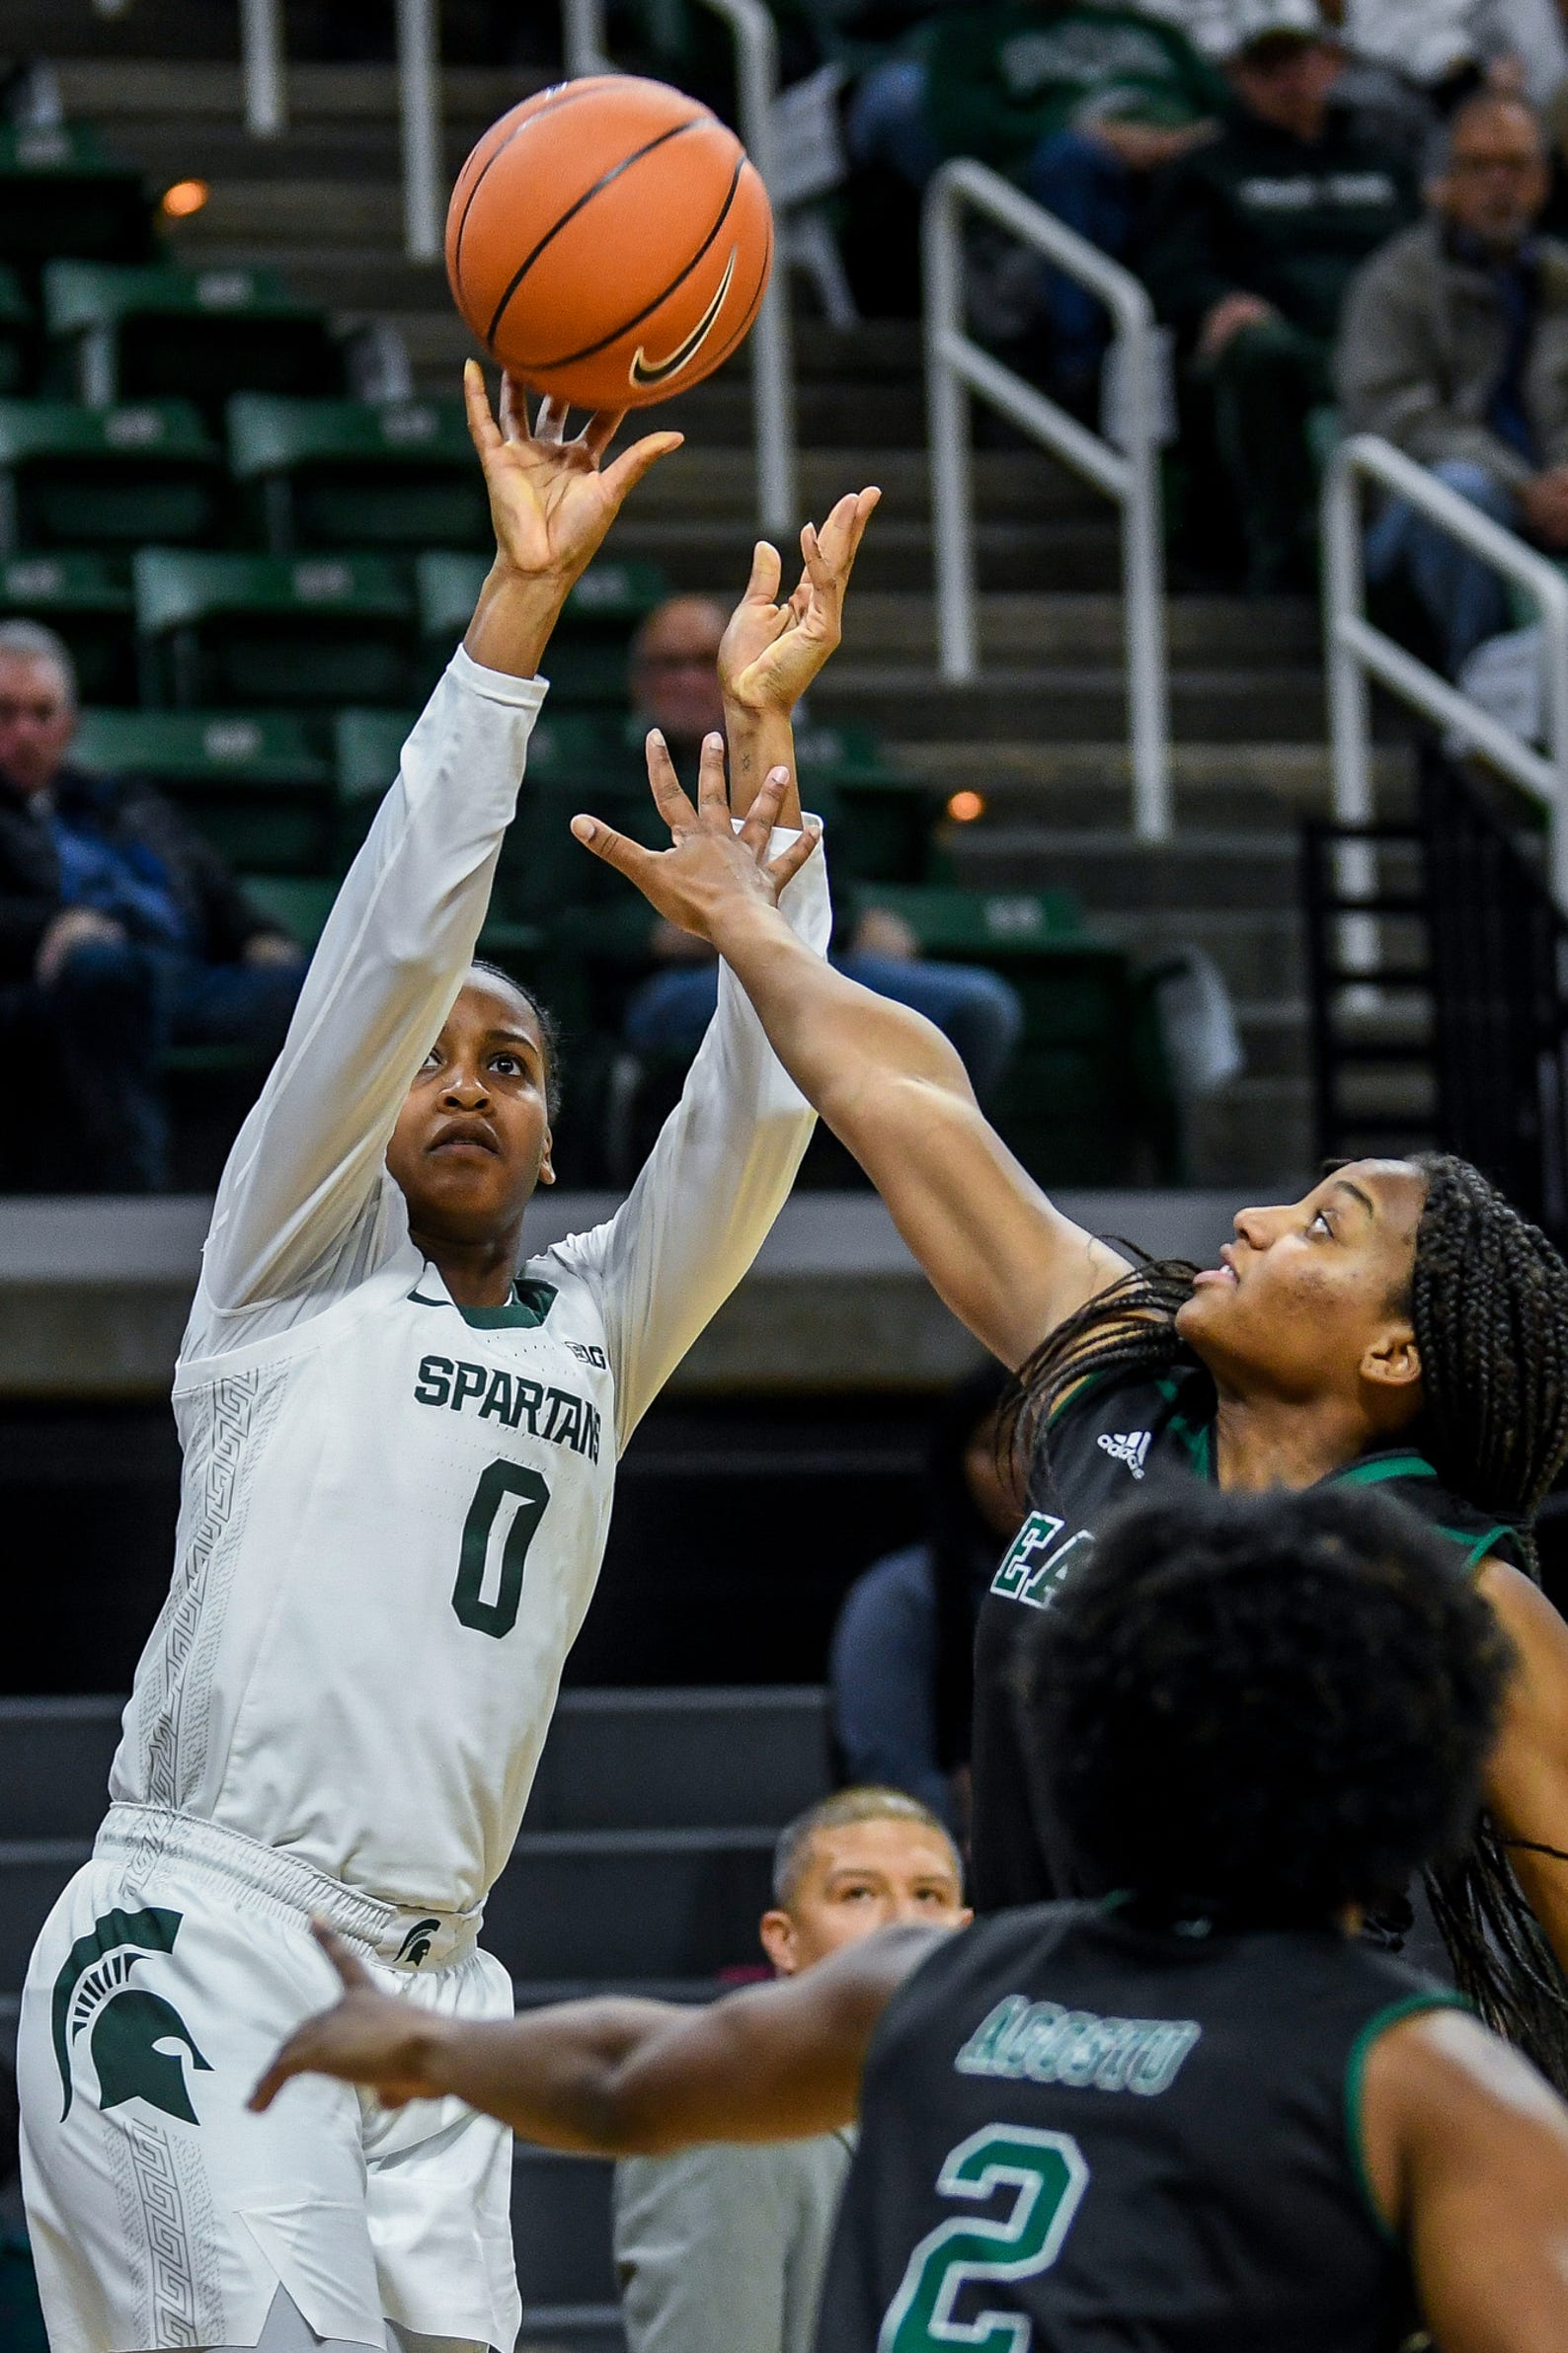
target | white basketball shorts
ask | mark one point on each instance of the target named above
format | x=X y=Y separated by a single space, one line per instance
x=162 y=2213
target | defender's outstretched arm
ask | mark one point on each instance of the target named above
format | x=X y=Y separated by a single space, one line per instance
x=622 y=2078
x=887 y=1083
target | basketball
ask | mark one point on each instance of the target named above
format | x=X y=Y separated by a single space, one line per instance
x=608 y=242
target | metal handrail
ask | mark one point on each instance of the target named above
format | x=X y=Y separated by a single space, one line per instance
x=956 y=365
x=1358 y=651
x=264 y=68
x=772 y=358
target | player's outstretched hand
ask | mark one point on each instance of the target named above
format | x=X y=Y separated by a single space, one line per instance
x=551 y=500
x=709 y=869
x=369 y=2037
x=771 y=652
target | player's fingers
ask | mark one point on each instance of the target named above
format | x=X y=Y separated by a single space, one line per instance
x=713 y=799
x=669 y=799
x=631 y=464
x=273 y=2081
x=601 y=430
x=483 y=431
x=549 y=425
x=348 y=1966
x=514 y=409
x=763 y=816
x=783 y=869
x=627 y=857
x=766 y=568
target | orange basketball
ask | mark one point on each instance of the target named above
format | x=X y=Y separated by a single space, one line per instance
x=608 y=242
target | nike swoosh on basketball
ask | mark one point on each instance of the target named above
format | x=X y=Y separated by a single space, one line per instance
x=653 y=372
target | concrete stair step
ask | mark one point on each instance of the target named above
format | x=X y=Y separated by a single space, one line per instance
x=1017 y=778
x=1258 y=1139
x=160 y=89
x=1111 y=871
x=703 y=483
x=1070 y=703
x=1077 y=554
x=1258 y=949
x=1051 y=626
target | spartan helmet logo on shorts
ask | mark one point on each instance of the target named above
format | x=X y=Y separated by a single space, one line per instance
x=417 y=1943
x=128 y=2025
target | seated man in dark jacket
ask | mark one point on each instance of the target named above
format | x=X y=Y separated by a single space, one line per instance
x=1259 y=235
x=120 y=933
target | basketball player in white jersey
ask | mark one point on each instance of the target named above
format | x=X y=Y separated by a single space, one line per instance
x=399 y=1455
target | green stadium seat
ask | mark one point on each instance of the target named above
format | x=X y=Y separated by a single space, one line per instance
x=75 y=477
x=341 y=473
x=1087 y=1100
x=252 y=782
x=83 y=598
x=298 y=904
x=230 y=628
x=200 y=335
x=586 y=658
x=61 y=198
x=881 y=820
x=17 y=336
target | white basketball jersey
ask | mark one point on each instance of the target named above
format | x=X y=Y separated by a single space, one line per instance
x=394 y=1508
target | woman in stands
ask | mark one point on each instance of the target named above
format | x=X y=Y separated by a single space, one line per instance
x=399 y=1466
x=1401 y=1326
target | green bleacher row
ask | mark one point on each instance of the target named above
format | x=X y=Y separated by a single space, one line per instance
x=276 y=574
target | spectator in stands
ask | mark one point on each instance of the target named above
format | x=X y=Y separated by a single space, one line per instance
x=675 y=688
x=901 y=1673
x=1080 y=104
x=721 y=2249
x=1455 y=348
x=120 y=933
x=1258 y=235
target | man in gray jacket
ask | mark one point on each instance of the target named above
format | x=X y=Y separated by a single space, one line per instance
x=721 y=2249
x=1455 y=348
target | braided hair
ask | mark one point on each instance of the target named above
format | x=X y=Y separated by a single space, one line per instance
x=1488 y=1305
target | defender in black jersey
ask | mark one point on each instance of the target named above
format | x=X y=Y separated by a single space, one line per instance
x=1401 y=1308
x=1196 y=2118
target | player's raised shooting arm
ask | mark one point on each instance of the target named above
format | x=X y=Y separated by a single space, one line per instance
x=1466 y=2157
x=308 y=1161
x=1006 y=1261
x=620 y=2078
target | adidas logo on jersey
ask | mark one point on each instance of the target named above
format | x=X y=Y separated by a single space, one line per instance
x=1129 y=1446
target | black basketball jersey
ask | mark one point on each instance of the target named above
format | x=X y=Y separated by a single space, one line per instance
x=1083 y=2136
x=1113 y=1440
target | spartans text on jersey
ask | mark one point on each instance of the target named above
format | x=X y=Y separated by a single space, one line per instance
x=512 y=1399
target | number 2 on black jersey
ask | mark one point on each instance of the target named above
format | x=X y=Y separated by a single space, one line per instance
x=1049 y=2175
x=497 y=1484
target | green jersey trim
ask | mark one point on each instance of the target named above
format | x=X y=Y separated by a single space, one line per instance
x=1383 y=1466
x=1412 y=2005
x=525 y=1311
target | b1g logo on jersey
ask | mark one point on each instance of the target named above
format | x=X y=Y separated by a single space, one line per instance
x=1038 y=1561
x=124 y=2024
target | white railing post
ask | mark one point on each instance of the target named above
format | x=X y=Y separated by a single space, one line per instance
x=262 y=54
x=583 y=38
x=772 y=358
x=1359 y=653
x=420 y=106
x=948 y=424
x=958 y=368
